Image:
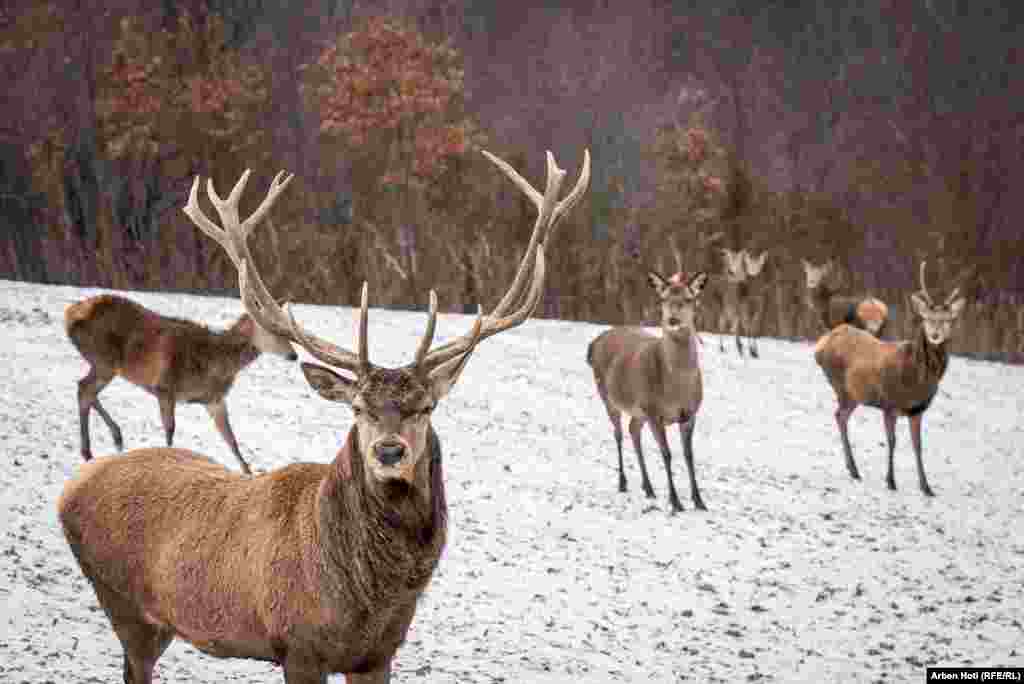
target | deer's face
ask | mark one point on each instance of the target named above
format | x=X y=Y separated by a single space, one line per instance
x=392 y=408
x=266 y=341
x=680 y=297
x=816 y=274
x=735 y=268
x=937 y=319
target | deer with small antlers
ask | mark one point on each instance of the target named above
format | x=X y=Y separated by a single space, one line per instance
x=898 y=378
x=315 y=567
x=832 y=309
x=742 y=298
x=656 y=381
x=173 y=359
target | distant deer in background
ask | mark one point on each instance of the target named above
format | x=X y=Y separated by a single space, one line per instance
x=898 y=378
x=656 y=381
x=742 y=298
x=822 y=298
x=173 y=359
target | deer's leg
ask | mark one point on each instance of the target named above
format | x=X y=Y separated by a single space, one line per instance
x=889 y=417
x=89 y=389
x=378 y=676
x=843 y=414
x=915 y=437
x=737 y=331
x=166 y=400
x=722 y=330
x=142 y=642
x=219 y=412
x=636 y=428
x=658 y=428
x=616 y=418
x=686 y=427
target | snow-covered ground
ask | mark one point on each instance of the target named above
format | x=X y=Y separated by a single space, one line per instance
x=795 y=574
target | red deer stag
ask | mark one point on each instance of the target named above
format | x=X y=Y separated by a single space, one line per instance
x=742 y=298
x=315 y=567
x=173 y=359
x=832 y=309
x=656 y=381
x=899 y=378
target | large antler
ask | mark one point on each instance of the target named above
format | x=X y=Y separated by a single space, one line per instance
x=528 y=286
x=255 y=296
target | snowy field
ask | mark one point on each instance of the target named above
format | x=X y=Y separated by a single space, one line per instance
x=795 y=574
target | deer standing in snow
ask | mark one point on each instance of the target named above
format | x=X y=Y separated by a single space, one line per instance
x=742 y=298
x=656 y=381
x=898 y=378
x=832 y=309
x=173 y=359
x=316 y=567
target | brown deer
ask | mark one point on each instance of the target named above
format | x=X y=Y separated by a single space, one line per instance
x=899 y=378
x=656 y=381
x=173 y=359
x=864 y=312
x=742 y=298
x=315 y=567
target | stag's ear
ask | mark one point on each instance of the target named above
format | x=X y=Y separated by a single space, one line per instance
x=329 y=384
x=957 y=307
x=921 y=305
x=697 y=283
x=657 y=282
x=443 y=378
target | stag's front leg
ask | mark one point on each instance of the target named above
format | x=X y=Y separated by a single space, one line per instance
x=843 y=414
x=380 y=676
x=915 y=437
x=166 y=400
x=889 y=418
x=686 y=428
x=219 y=413
x=658 y=428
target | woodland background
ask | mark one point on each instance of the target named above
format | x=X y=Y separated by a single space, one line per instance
x=877 y=133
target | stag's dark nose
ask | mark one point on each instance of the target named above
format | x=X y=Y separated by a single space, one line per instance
x=673 y=321
x=292 y=356
x=389 y=454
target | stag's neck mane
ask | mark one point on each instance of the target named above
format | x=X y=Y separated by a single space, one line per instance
x=930 y=359
x=375 y=547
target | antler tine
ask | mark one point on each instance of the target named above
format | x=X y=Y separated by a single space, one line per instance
x=363 y=337
x=531 y=268
x=232 y=237
x=428 y=335
x=202 y=221
x=924 y=288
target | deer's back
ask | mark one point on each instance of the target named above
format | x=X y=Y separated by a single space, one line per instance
x=868 y=370
x=195 y=546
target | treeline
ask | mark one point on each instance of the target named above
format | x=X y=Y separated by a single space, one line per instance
x=699 y=140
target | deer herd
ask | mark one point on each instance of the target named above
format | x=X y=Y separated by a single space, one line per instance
x=318 y=567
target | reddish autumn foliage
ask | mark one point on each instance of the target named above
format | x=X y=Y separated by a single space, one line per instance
x=386 y=78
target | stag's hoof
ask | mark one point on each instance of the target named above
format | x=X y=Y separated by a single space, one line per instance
x=891 y=484
x=622 y=485
x=698 y=503
x=926 y=490
x=649 y=492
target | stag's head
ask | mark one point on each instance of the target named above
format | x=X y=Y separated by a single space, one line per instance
x=392 y=406
x=937 y=319
x=816 y=274
x=754 y=264
x=680 y=297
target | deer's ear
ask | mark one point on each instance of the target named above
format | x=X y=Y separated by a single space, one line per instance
x=697 y=283
x=957 y=307
x=656 y=281
x=329 y=384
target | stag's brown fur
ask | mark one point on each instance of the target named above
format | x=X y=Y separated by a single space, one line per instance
x=174 y=359
x=898 y=378
x=308 y=566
